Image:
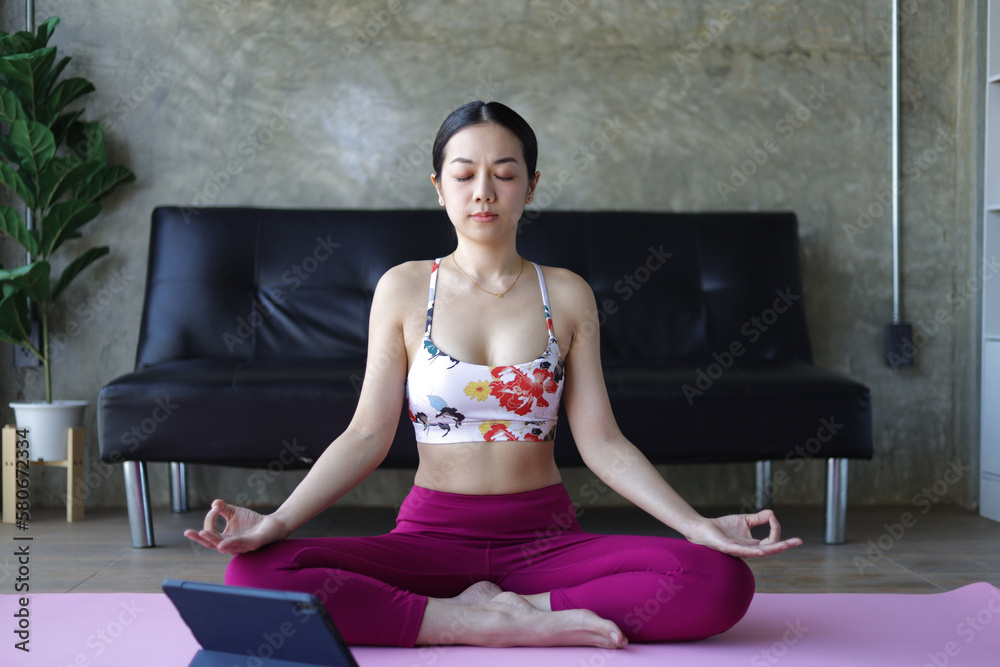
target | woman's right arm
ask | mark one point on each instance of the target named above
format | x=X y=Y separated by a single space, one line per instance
x=352 y=456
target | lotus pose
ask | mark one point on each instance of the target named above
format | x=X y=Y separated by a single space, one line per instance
x=487 y=549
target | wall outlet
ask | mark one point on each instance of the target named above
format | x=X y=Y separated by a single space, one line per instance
x=23 y=358
x=899 y=349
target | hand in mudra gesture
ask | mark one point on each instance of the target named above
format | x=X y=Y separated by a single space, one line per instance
x=245 y=530
x=730 y=534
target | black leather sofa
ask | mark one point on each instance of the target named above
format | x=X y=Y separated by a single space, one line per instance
x=253 y=340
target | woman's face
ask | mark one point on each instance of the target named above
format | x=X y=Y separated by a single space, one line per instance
x=484 y=182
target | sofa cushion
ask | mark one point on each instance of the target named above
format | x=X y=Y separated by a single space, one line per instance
x=748 y=412
x=241 y=413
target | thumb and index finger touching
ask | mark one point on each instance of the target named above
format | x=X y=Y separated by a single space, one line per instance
x=210 y=536
x=773 y=538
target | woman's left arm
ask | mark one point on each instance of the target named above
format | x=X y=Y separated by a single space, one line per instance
x=618 y=462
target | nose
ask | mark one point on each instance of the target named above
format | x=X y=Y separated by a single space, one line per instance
x=484 y=189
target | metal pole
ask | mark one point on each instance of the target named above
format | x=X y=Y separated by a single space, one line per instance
x=835 y=528
x=896 y=318
x=178 y=487
x=29 y=25
x=140 y=511
x=763 y=497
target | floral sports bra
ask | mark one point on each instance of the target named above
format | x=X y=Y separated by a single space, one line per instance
x=453 y=401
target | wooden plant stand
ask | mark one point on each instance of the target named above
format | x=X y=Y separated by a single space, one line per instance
x=74 y=473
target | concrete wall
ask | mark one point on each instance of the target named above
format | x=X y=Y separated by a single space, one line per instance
x=330 y=104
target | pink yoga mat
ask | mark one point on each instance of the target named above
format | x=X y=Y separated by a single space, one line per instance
x=961 y=627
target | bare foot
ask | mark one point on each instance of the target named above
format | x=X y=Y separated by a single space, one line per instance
x=510 y=620
x=542 y=601
x=480 y=592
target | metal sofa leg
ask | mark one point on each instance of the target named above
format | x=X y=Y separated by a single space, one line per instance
x=836 y=501
x=762 y=500
x=140 y=516
x=178 y=488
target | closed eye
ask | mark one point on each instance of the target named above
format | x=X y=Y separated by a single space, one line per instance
x=463 y=179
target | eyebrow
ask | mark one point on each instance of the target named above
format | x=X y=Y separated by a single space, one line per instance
x=499 y=161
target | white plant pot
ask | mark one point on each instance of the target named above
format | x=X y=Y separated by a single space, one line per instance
x=48 y=425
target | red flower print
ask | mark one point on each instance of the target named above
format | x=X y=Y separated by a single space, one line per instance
x=522 y=391
x=498 y=431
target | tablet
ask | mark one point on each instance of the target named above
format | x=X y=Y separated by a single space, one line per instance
x=253 y=627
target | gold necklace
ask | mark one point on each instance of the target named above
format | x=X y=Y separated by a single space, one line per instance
x=498 y=295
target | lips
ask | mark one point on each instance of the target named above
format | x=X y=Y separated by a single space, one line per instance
x=484 y=216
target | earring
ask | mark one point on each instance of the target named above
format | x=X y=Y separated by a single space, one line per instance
x=440 y=201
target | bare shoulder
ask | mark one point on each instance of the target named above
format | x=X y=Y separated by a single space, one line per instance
x=406 y=279
x=402 y=287
x=572 y=303
x=567 y=290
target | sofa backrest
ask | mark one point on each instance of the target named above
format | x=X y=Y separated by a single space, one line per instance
x=243 y=283
x=731 y=279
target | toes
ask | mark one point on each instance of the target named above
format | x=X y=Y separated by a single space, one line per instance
x=604 y=633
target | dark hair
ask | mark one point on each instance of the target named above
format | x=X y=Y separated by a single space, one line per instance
x=485 y=112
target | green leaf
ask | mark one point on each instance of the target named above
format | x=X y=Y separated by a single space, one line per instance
x=76 y=266
x=86 y=141
x=7 y=150
x=64 y=92
x=12 y=224
x=32 y=278
x=10 y=106
x=15 y=326
x=45 y=30
x=50 y=78
x=25 y=72
x=60 y=126
x=29 y=181
x=103 y=182
x=33 y=143
x=62 y=221
x=59 y=175
x=13 y=180
x=19 y=42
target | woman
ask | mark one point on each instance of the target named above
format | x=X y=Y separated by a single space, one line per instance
x=487 y=550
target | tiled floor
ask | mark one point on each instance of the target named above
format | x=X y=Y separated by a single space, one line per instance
x=941 y=550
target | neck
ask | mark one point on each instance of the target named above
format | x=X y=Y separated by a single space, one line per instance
x=487 y=263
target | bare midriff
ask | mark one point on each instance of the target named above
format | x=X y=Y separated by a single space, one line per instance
x=487 y=468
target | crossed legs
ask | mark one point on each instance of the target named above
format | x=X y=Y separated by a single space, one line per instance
x=406 y=589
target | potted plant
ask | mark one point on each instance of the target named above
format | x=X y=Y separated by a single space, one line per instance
x=56 y=164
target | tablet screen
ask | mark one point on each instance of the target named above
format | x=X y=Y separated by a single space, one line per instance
x=253 y=626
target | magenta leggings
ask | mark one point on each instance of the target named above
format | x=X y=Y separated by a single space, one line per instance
x=376 y=588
